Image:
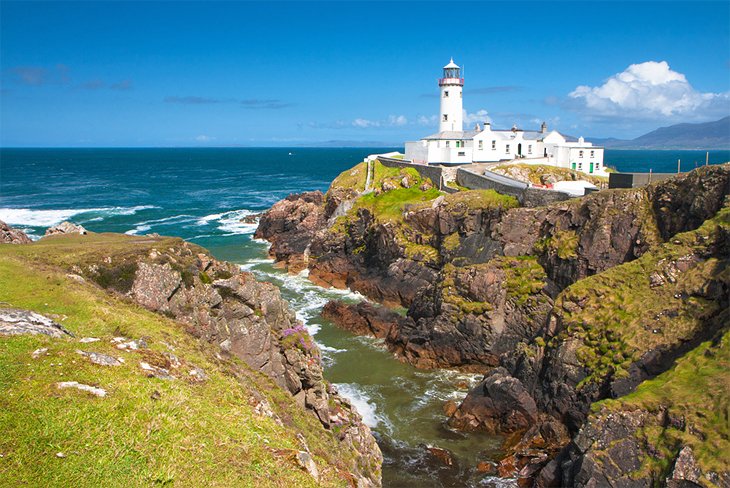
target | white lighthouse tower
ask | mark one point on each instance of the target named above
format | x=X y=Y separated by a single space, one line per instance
x=451 y=116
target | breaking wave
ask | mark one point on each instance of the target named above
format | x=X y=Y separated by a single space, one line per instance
x=48 y=218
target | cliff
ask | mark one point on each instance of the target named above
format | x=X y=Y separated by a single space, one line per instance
x=570 y=304
x=200 y=366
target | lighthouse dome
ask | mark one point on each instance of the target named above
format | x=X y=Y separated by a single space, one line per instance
x=451 y=64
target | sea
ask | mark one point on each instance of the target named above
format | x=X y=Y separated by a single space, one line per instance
x=202 y=195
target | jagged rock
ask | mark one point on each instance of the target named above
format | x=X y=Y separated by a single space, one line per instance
x=15 y=321
x=685 y=470
x=101 y=359
x=66 y=228
x=498 y=404
x=307 y=463
x=362 y=318
x=99 y=392
x=155 y=371
x=443 y=455
x=9 y=235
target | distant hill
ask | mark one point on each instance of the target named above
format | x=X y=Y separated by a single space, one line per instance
x=707 y=135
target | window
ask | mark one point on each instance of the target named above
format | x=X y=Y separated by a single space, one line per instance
x=593 y=153
x=529 y=149
x=481 y=144
x=494 y=145
x=462 y=153
x=446 y=117
x=580 y=166
x=506 y=148
x=447 y=143
x=446 y=93
x=580 y=154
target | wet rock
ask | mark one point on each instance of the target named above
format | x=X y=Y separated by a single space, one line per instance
x=99 y=392
x=10 y=235
x=15 y=321
x=450 y=408
x=362 y=318
x=487 y=467
x=66 y=228
x=499 y=404
x=101 y=359
x=443 y=455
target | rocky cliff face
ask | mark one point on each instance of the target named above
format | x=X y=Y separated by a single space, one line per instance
x=577 y=301
x=247 y=319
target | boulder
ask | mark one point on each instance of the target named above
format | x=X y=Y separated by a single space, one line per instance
x=499 y=404
x=9 y=235
x=15 y=321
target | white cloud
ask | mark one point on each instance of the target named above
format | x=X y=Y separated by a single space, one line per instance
x=649 y=90
x=391 y=121
x=204 y=138
x=479 y=116
x=429 y=121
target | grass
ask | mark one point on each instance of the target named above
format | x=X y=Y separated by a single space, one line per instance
x=524 y=277
x=189 y=434
x=564 y=243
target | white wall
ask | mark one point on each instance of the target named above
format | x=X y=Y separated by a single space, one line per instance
x=452 y=107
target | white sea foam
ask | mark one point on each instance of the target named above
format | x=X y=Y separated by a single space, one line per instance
x=362 y=403
x=48 y=218
x=231 y=221
x=147 y=224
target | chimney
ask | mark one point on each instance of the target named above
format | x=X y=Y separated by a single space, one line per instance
x=543 y=128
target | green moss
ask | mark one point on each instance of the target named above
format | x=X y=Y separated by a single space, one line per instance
x=451 y=242
x=205 y=278
x=353 y=178
x=524 y=277
x=389 y=206
x=564 y=243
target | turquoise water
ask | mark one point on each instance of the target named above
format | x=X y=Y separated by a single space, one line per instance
x=201 y=195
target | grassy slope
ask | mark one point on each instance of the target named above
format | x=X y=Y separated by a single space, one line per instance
x=195 y=434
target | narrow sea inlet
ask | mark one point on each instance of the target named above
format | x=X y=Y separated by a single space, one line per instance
x=203 y=196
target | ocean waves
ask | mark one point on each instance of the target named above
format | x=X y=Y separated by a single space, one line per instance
x=231 y=221
x=47 y=218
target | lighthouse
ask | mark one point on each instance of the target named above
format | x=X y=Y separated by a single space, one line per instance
x=451 y=85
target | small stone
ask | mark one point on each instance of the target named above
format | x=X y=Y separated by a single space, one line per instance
x=155 y=395
x=87 y=340
x=60 y=455
x=66 y=228
x=38 y=352
x=101 y=359
x=487 y=467
x=307 y=463
x=100 y=392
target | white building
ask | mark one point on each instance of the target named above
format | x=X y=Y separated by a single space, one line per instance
x=452 y=145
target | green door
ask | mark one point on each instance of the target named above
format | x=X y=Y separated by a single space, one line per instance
x=572 y=165
x=591 y=168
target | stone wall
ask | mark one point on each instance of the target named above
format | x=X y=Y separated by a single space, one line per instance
x=528 y=197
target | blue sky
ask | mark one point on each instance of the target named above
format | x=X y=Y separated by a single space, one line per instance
x=279 y=73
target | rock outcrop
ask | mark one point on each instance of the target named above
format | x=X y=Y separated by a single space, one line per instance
x=247 y=319
x=66 y=228
x=15 y=321
x=9 y=235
